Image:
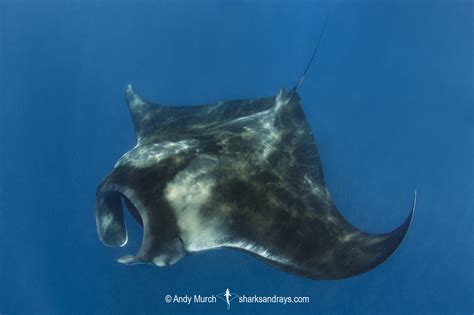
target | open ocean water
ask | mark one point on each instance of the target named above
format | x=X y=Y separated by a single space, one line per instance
x=389 y=98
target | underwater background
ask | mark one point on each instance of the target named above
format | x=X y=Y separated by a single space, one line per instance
x=389 y=98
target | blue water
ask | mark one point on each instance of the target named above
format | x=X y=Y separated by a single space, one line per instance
x=389 y=98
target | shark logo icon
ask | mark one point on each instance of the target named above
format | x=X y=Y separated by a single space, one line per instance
x=227 y=297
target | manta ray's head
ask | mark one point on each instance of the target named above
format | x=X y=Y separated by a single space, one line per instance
x=161 y=243
x=138 y=182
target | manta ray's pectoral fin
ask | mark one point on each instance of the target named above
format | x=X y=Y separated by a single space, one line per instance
x=159 y=122
x=140 y=110
x=327 y=253
x=362 y=252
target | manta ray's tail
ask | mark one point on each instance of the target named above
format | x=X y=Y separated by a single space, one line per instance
x=315 y=50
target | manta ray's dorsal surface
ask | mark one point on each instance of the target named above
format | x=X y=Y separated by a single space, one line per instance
x=242 y=174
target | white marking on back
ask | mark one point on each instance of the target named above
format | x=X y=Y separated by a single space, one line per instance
x=187 y=193
x=146 y=155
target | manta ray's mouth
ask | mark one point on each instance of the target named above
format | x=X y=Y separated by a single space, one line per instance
x=159 y=246
x=132 y=209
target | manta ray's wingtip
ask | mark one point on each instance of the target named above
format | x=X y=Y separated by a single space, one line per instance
x=402 y=230
x=414 y=200
x=408 y=221
x=413 y=207
x=375 y=249
x=135 y=102
x=130 y=93
x=399 y=233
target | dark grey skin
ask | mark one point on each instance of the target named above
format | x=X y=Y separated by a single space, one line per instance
x=242 y=174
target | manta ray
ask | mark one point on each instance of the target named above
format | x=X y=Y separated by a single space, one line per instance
x=241 y=174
